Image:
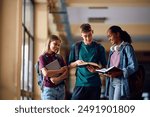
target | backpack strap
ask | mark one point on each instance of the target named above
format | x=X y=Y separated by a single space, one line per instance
x=45 y=58
x=97 y=47
x=76 y=49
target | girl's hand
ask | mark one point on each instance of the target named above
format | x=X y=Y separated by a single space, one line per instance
x=55 y=80
x=103 y=75
x=64 y=68
x=114 y=74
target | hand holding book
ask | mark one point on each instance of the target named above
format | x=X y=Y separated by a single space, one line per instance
x=64 y=68
x=92 y=64
x=54 y=65
x=110 y=72
x=61 y=73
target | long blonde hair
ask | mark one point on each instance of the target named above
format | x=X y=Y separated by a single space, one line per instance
x=49 y=40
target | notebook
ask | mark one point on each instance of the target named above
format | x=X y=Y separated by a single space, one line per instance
x=54 y=65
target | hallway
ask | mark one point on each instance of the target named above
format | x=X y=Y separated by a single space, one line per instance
x=26 y=24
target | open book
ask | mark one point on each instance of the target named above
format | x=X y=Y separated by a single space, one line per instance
x=95 y=65
x=110 y=69
x=54 y=65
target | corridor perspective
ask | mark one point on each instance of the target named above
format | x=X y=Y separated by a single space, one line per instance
x=25 y=25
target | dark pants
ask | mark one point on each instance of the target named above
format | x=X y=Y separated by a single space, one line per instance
x=86 y=93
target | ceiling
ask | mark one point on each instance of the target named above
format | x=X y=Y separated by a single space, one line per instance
x=132 y=15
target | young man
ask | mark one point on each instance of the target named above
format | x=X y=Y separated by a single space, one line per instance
x=88 y=82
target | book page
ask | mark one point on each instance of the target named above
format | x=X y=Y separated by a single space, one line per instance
x=83 y=64
x=113 y=69
x=89 y=63
x=103 y=70
x=110 y=69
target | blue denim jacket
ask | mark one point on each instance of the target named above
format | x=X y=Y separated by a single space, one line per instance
x=128 y=63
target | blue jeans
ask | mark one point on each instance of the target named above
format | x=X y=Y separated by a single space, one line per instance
x=115 y=89
x=53 y=93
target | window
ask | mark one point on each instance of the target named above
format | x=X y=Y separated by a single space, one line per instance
x=27 y=50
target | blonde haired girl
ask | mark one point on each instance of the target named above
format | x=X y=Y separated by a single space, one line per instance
x=54 y=86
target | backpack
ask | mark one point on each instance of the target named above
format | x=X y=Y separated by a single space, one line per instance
x=136 y=82
x=40 y=77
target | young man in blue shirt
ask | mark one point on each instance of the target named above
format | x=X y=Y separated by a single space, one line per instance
x=88 y=82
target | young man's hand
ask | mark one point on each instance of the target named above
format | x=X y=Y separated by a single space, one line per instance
x=78 y=62
x=74 y=64
x=91 y=68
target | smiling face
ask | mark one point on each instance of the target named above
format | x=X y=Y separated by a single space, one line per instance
x=86 y=33
x=55 y=46
x=87 y=37
x=114 y=38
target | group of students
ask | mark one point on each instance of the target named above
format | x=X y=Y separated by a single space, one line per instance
x=88 y=81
